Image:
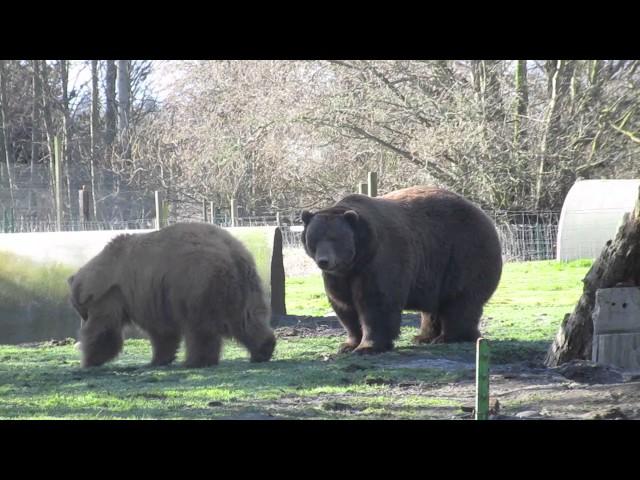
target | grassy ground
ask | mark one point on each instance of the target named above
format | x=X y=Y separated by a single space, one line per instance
x=305 y=379
x=530 y=301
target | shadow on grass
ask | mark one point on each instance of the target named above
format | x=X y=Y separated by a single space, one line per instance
x=501 y=351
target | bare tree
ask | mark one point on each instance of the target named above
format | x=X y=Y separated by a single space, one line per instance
x=95 y=128
x=48 y=120
x=6 y=133
x=35 y=118
x=124 y=93
x=63 y=66
x=111 y=107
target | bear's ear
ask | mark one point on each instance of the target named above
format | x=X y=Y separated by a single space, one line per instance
x=351 y=216
x=307 y=216
x=70 y=280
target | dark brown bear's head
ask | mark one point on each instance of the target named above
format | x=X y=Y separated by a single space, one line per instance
x=330 y=237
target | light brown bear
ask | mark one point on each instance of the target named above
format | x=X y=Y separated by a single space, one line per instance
x=190 y=280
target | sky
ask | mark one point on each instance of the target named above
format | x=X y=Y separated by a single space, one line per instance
x=160 y=78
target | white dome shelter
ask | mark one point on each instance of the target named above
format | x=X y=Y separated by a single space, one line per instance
x=592 y=214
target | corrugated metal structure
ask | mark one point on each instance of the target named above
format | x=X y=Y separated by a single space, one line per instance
x=591 y=215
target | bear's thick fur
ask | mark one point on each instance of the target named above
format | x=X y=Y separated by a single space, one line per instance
x=420 y=248
x=187 y=280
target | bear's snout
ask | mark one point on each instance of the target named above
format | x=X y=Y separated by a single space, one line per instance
x=323 y=262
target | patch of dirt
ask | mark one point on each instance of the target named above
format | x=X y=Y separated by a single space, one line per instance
x=335 y=406
x=48 y=343
x=250 y=416
x=525 y=394
x=588 y=372
x=328 y=325
x=302 y=331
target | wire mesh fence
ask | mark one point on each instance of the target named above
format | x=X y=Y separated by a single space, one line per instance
x=527 y=235
x=524 y=235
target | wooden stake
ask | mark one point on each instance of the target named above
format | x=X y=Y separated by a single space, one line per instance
x=482 y=379
x=373 y=184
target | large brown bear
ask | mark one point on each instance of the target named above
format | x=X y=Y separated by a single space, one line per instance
x=420 y=248
x=190 y=280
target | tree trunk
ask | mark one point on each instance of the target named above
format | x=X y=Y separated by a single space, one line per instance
x=487 y=86
x=124 y=87
x=560 y=73
x=48 y=123
x=35 y=119
x=618 y=264
x=110 y=112
x=66 y=127
x=95 y=117
x=522 y=103
x=6 y=137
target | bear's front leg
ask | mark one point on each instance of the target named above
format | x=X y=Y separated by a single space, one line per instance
x=339 y=294
x=350 y=321
x=380 y=327
x=379 y=310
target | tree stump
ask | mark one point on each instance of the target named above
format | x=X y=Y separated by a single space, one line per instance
x=618 y=265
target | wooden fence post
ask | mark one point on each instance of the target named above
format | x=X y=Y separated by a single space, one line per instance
x=159 y=210
x=9 y=220
x=83 y=206
x=362 y=188
x=373 y=184
x=482 y=379
x=234 y=212
x=58 y=176
x=204 y=211
x=212 y=211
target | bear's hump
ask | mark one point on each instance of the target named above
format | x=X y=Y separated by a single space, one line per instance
x=419 y=192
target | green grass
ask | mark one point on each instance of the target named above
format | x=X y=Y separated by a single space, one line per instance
x=306 y=296
x=46 y=382
x=532 y=299
x=305 y=379
x=260 y=244
x=529 y=303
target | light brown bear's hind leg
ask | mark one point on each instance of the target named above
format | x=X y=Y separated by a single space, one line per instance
x=203 y=348
x=165 y=346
